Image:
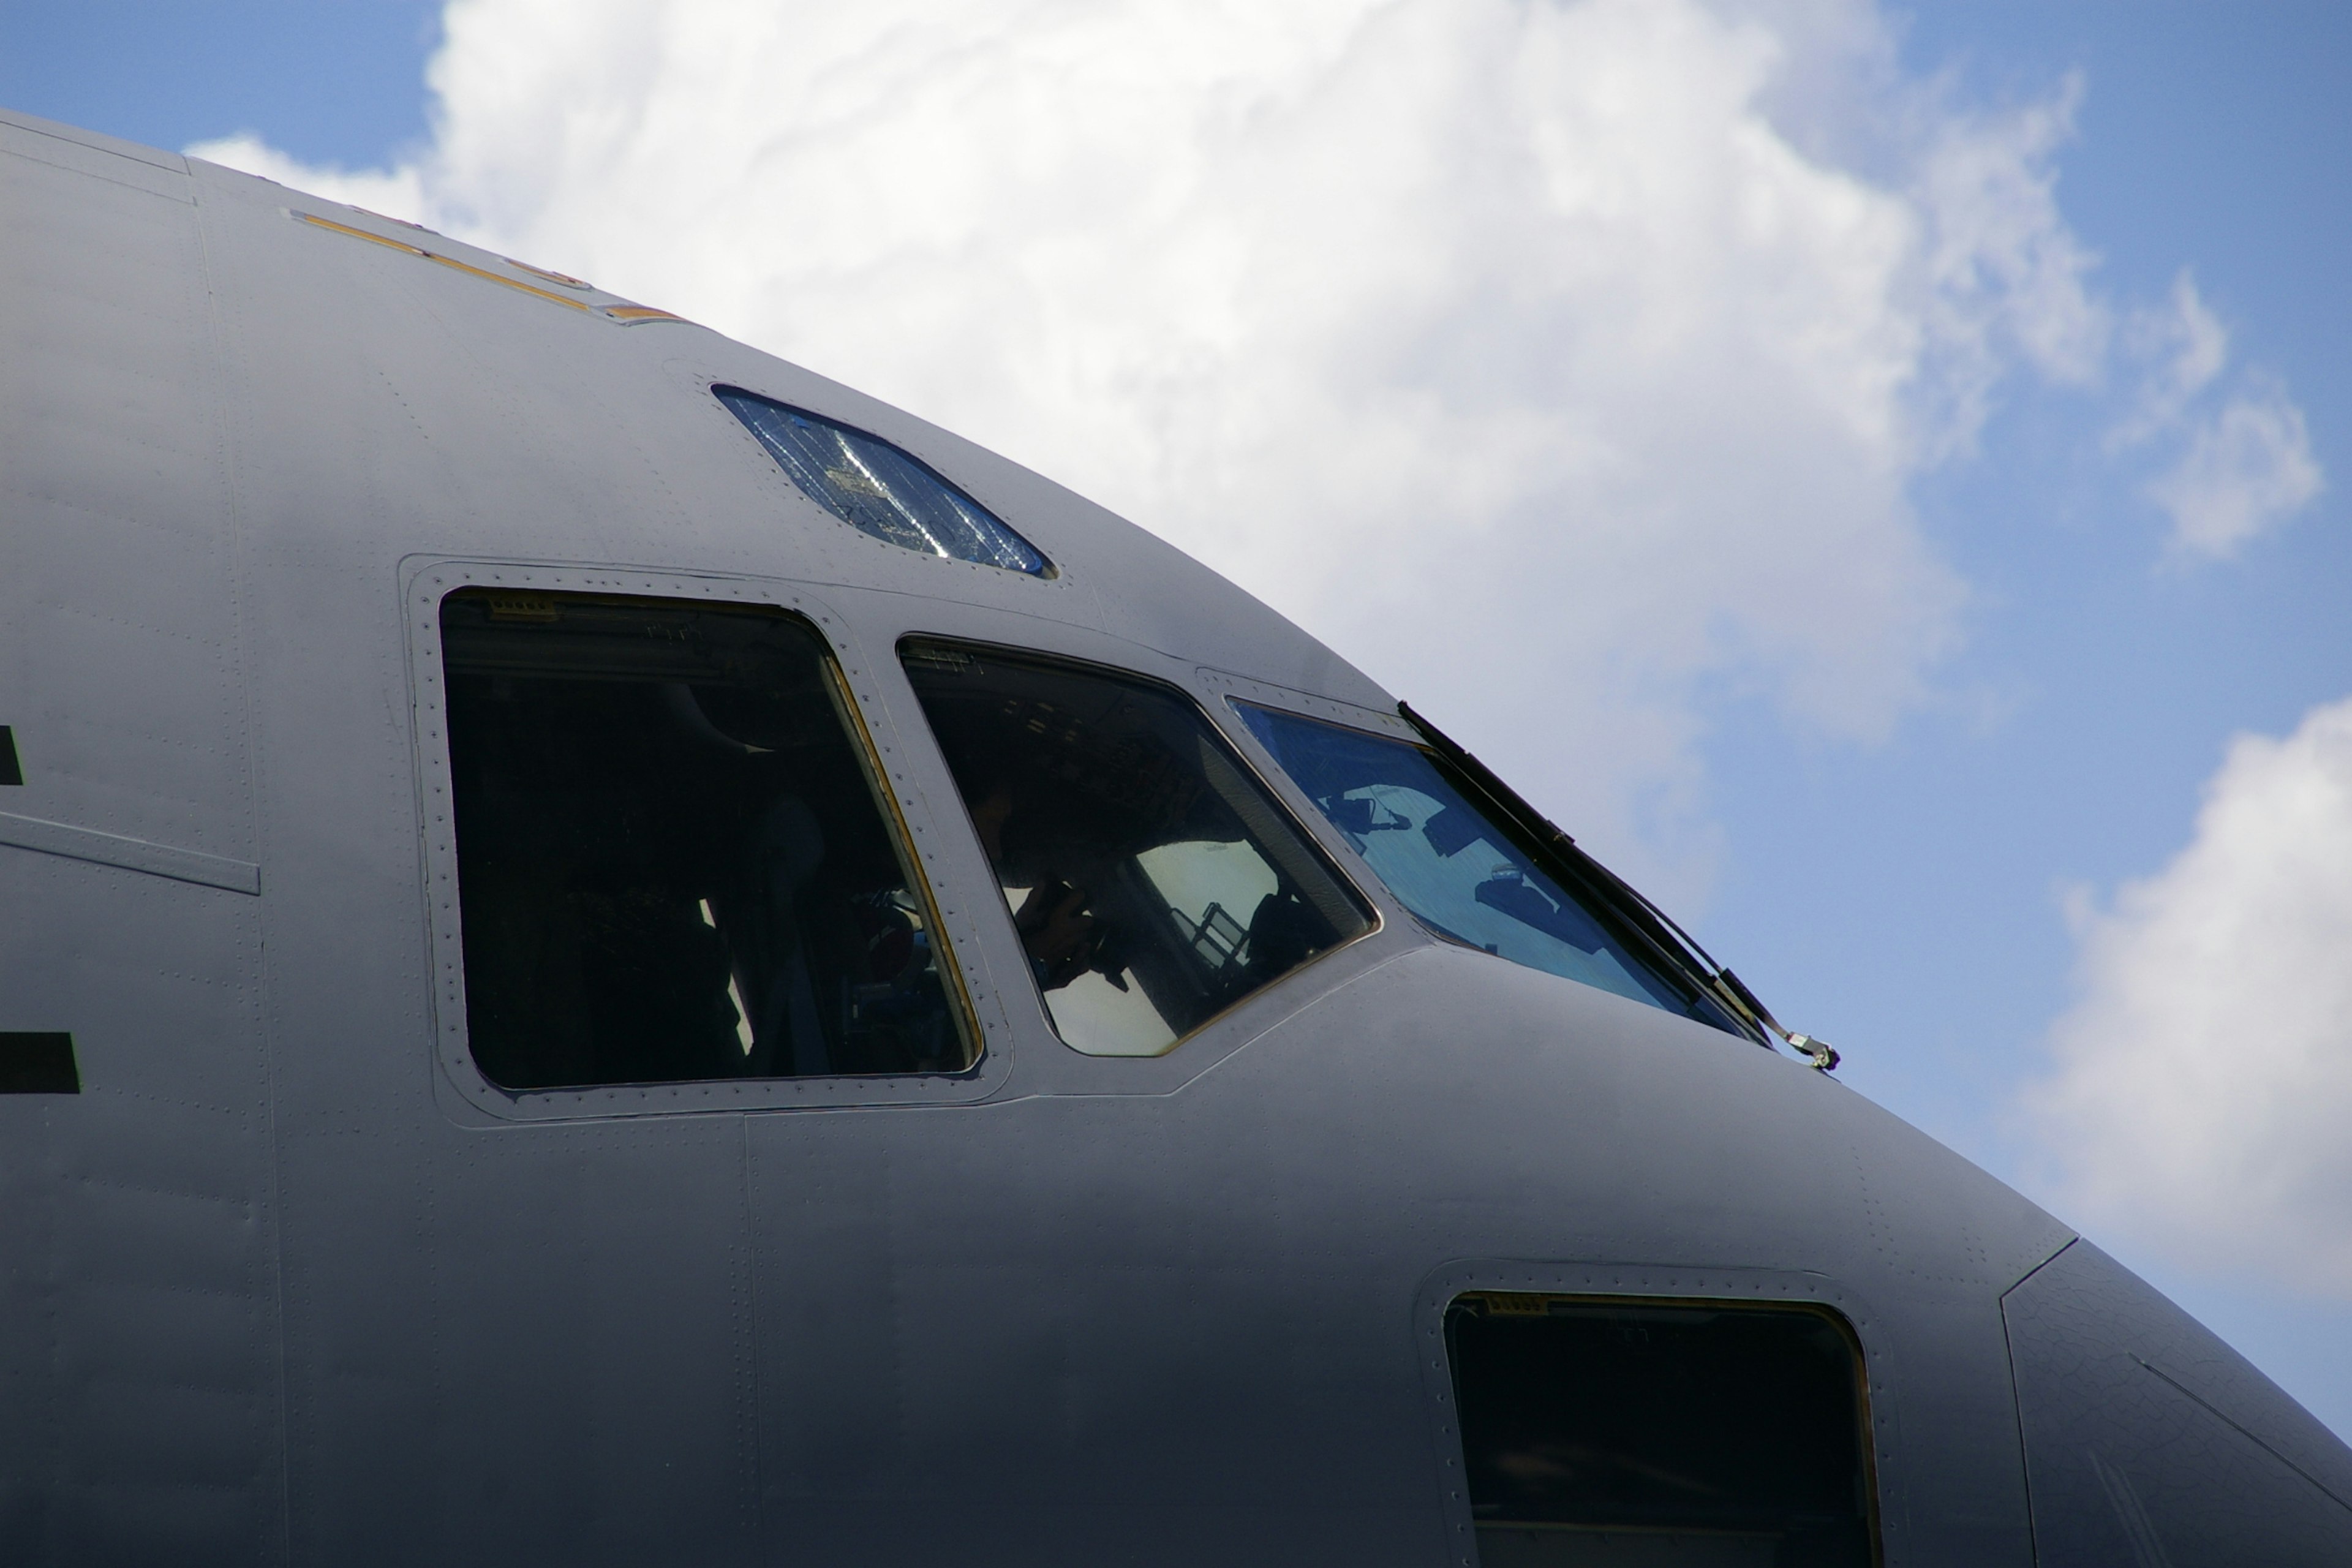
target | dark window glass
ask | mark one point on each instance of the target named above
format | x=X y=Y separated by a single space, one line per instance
x=671 y=861
x=878 y=490
x=1684 y=1433
x=36 y=1062
x=1153 y=882
x=1460 y=872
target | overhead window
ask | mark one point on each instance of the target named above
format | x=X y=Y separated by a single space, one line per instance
x=1462 y=873
x=1688 y=1433
x=1153 y=882
x=673 y=863
x=878 y=490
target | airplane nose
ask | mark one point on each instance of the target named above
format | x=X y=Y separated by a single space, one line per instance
x=2148 y=1441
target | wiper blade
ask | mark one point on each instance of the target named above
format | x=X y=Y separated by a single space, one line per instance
x=1667 y=943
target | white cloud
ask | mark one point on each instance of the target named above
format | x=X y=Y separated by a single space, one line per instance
x=1556 y=362
x=2204 y=1077
x=2247 y=468
x=2184 y=346
x=2240 y=469
x=2005 y=277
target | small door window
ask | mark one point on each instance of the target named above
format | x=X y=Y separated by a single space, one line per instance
x=1153 y=882
x=673 y=861
x=1698 y=1434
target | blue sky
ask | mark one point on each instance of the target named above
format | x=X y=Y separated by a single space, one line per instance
x=1911 y=893
x=1896 y=877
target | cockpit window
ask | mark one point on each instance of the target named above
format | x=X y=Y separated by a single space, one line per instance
x=1153 y=881
x=672 y=861
x=1461 y=873
x=878 y=490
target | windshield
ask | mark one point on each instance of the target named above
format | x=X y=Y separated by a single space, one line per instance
x=1462 y=875
x=1151 y=880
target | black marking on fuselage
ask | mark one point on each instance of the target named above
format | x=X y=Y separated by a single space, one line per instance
x=37 y=1062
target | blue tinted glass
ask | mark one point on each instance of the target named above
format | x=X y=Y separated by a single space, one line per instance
x=1445 y=860
x=878 y=490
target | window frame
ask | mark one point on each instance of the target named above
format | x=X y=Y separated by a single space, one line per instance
x=461 y=1086
x=1249 y=760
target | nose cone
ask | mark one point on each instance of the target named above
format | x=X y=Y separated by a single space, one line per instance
x=2148 y=1441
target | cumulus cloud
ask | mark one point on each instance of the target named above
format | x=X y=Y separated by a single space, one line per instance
x=2242 y=464
x=1565 y=364
x=2204 y=1075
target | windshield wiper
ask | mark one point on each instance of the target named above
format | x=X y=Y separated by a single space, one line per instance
x=1667 y=943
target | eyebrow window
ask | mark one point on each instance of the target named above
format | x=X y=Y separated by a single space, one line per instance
x=1153 y=882
x=1659 y=1432
x=1462 y=874
x=878 y=490
x=673 y=863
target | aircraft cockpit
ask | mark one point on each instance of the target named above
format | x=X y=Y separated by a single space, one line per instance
x=676 y=863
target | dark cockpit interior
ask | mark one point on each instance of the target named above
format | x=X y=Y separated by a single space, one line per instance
x=672 y=861
x=1154 y=881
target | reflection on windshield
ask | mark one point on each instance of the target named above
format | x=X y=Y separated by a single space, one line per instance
x=1459 y=873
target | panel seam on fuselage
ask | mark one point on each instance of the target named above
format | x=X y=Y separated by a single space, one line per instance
x=164 y=860
x=2210 y=1409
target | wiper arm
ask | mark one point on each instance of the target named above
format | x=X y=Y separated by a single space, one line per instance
x=1666 y=942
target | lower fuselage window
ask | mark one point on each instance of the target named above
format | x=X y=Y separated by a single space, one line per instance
x=1659 y=1433
x=673 y=862
x=1152 y=881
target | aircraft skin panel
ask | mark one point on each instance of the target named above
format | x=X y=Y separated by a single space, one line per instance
x=31 y=136
x=567 y=1316
x=284 y=1286
x=2147 y=1438
x=1341 y=1143
x=106 y=158
x=126 y=635
x=140 y=1327
x=484 y=422
x=139 y=1318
